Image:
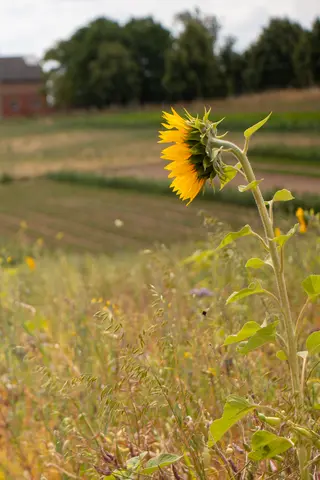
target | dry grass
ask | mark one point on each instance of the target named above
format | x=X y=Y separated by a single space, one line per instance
x=109 y=152
x=150 y=374
x=289 y=100
x=87 y=216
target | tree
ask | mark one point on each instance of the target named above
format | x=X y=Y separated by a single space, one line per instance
x=148 y=42
x=232 y=65
x=74 y=60
x=270 y=61
x=315 y=50
x=113 y=74
x=302 y=61
x=192 y=69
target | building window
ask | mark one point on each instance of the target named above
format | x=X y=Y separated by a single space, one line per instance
x=15 y=106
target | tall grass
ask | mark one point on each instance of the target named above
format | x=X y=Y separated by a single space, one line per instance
x=147 y=373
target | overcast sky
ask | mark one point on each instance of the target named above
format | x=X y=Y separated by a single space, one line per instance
x=31 y=26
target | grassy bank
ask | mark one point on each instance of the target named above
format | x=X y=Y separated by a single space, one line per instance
x=152 y=187
x=73 y=217
x=280 y=122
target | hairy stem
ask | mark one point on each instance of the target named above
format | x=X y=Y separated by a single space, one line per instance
x=280 y=282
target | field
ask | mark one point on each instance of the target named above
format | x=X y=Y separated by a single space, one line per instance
x=112 y=340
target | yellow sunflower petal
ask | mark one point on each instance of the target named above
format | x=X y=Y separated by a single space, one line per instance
x=176 y=152
x=174 y=119
x=170 y=136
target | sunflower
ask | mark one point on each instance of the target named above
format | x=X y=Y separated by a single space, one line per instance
x=190 y=164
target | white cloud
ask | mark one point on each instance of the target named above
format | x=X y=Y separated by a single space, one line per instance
x=32 y=26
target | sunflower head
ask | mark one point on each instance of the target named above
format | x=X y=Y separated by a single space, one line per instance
x=193 y=162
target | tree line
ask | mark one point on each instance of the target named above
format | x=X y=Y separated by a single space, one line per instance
x=105 y=63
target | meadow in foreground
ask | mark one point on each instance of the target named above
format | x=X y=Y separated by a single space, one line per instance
x=170 y=363
x=147 y=373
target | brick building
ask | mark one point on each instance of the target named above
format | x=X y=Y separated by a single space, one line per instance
x=21 y=88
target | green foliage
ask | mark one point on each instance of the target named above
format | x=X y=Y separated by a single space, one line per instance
x=281 y=354
x=192 y=69
x=113 y=74
x=232 y=236
x=161 y=461
x=147 y=64
x=253 y=289
x=229 y=174
x=248 y=329
x=265 y=444
x=232 y=64
x=315 y=50
x=234 y=410
x=311 y=286
x=251 y=186
x=281 y=240
x=283 y=195
x=261 y=337
x=256 y=263
x=256 y=334
x=270 y=60
x=313 y=343
x=250 y=131
x=148 y=41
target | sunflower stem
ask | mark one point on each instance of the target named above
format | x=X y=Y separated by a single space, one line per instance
x=291 y=339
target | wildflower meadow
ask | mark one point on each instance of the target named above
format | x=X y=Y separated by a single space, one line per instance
x=186 y=345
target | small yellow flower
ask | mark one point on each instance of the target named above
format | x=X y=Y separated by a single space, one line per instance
x=301 y=219
x=187 y=355
x=31 y=263
x=9 y=259
x=93 y=300
x=39 y=242
x=303 y=227
x=59 y=235
x=277 y=232
x=190 y=164
x=23 y=225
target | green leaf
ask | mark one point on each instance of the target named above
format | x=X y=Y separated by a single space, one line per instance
x=261 y=337
x=311 y=286
x=234 y=410
x=232 y=236
x=283 y=195
x=161 y=461
x=135 y=462
x=252 y=289
x=248 y=329
x=251 y=130
x=229 y=173
x=265 y=444
x=200 y=257
x=282 y=239
x=281 y=354
x=251 y=186
x=313 y=343
x=255 y=263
